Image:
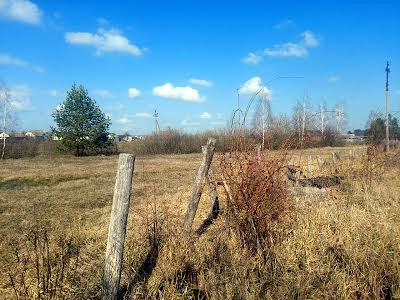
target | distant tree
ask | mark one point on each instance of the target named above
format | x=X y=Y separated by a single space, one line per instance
x=81 y=125
x=7 y=114
x=394 y=129
x=376 y=131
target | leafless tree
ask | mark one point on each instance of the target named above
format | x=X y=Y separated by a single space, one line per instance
x=6 y=114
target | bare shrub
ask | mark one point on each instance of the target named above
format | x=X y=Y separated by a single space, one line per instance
x=42 y=266
x=259 y=206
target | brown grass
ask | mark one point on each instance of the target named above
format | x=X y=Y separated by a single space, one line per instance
x=345 y=243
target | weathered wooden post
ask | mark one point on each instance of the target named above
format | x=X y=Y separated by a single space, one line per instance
x=198 y=184
x=334 y=158
x=309 y=167
x=212 y=188
x=319 y=161
x=117 y=228
x=258 y=150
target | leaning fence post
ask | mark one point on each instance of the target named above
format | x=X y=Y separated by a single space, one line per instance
x=197 y=189
x=117 y=228
x=212 y=188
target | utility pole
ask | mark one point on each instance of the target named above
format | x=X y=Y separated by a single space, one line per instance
x=157 y=125
x=321 y=108
x=387 y=106
x=263 y=121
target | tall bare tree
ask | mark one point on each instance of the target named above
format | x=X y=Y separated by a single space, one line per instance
x=5 y=111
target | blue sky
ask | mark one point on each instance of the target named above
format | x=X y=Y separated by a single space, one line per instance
x=187 y=59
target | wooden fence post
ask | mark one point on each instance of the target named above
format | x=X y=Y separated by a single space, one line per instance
x=212 y=188
x=319 y=161
x=309 y=167
x=198 y=184
x=117 y=228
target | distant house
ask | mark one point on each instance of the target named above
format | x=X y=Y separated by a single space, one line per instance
x=127 y=138
x=38 y=135
x=4 y=136
x=351 y=137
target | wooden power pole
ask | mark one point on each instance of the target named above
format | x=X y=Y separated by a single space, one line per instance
x=387 y=105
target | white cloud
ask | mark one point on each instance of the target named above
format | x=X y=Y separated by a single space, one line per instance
x=20 y=10
x=333 y=78
x=144 y=115
x=252 y=59
x=189 y=123
x=254 y=85
x=299 y=49
x=217 y=123
x=133 y=92
x=103 y=93
x=201 y=82
x=205 y=115
x=104 y=41
x=184 y=93
x=53 y=93
x=287 y=50
x=6 y=59
x=124 y=120
x=284 y=24
x=20 y=97
x=310 y=39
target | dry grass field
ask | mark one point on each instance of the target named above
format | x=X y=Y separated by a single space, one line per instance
x=342 y=243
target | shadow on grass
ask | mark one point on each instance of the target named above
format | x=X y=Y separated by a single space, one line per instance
x=19 y=183
x=210 y=219
x=143 y=273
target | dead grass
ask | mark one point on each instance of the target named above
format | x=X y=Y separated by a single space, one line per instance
x=345 y=243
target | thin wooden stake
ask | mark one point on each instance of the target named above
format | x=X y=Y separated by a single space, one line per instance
x=117 y=228
x=309 y=167
x=258 y=150
x=198 y=185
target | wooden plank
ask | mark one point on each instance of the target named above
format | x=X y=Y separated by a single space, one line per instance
x=117 y=228
x=198 y=185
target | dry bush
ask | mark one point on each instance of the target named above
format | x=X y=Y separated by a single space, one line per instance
x=258 y=203
x=172 y=141
x=43 y=266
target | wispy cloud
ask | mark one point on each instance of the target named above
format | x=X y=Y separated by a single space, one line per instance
x=254 y=85
x=299 y=49
x=6 y=59
x=189 y=123
x=252 y=59
x=124 y=120
x=201 y=82
x=286 y=50
x=309 y=39
x=184 y=93
x=20 y=97
x=133 y=92
x=104 y=41
x=54 y=93
x=205 y=115
x=287 y=23
x=103 y=93
x=333 y=78
x=143 y=115
x=21 y=10
x=290 y=49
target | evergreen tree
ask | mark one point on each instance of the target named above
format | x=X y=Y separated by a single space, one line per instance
x=81 y=125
